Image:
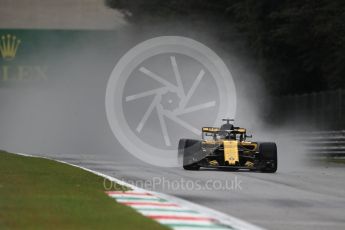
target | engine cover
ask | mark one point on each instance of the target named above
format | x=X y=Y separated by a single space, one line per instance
x=231 y=152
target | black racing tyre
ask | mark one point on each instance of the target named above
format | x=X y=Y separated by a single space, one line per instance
x=181 y=145
x=188 y=149
x=268 y=157
x=192 y=167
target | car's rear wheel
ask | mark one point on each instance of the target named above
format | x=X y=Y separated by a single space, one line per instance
x=268 y=157
x=189 y=149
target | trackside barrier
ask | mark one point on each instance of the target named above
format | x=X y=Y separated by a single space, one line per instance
x=324 y=143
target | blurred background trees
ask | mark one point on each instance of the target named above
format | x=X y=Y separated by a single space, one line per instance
x=299 y=44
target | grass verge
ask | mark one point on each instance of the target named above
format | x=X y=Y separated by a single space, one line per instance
x=38 y=193
x=336 y=160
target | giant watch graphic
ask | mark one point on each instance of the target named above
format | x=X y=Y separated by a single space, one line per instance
x=165 y=89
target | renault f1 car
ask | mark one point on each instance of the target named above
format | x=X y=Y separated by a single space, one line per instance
x=227 y=147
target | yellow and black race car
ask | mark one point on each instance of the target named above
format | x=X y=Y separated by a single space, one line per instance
x=227 y=147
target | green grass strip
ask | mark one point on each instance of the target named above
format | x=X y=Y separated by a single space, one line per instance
x=43 y=194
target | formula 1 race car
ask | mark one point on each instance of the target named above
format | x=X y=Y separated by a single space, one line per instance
x=226 y=147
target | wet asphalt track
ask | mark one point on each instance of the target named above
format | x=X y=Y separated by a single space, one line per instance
x=301 y=198
x=296 y=197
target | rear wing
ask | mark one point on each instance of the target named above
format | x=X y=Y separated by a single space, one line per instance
x=240 y=130
x=210 y=129
x=216 y=130
x=236 y=130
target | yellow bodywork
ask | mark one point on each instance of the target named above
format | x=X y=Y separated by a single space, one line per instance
x=231 y=152
x=247 y=143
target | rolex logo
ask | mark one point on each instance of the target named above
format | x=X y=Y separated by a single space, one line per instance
x=8 y=46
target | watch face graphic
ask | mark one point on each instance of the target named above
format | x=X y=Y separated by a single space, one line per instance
x=164 y=89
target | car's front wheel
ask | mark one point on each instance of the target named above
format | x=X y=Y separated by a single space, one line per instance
x=189 y=149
